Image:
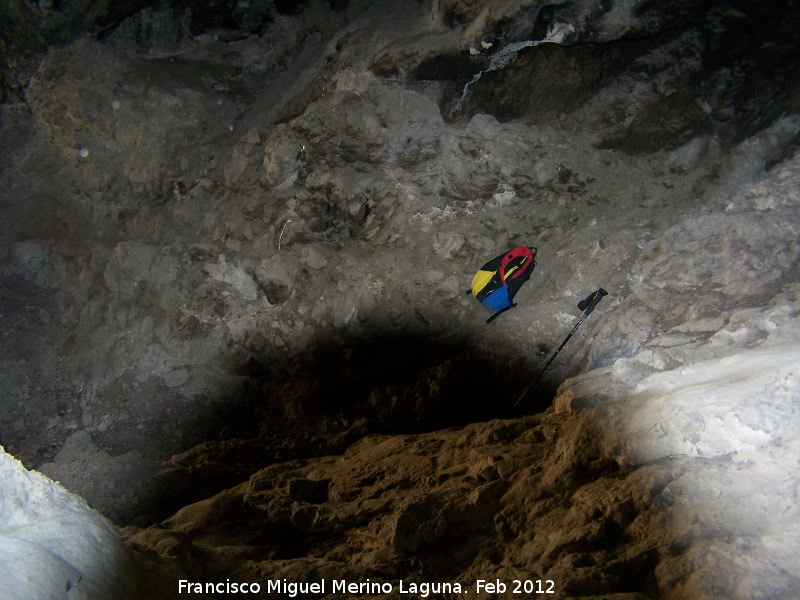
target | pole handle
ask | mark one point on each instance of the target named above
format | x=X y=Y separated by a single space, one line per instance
x=588 y=305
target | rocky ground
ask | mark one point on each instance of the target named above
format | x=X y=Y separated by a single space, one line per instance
x=234 y=265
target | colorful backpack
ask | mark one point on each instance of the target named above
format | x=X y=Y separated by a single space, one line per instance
x=499 y=280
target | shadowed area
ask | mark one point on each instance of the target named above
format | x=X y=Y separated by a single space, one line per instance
x=327 y=398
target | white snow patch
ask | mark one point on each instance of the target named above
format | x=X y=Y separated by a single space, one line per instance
x=52 y=544
x=742 y=405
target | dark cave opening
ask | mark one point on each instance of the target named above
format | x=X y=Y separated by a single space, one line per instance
x=332 y=394
x=403 y=383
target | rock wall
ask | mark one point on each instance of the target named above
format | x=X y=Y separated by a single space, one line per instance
x=234 y=265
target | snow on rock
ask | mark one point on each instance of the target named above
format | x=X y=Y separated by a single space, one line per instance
x=743 y=406
x=52 y=544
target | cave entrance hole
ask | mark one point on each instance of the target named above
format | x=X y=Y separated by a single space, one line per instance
x=325 y=397
x=392 y=383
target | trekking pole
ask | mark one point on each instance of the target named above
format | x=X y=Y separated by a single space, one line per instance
x=587 y=306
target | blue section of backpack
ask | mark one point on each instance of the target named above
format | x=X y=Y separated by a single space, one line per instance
x=498 y=299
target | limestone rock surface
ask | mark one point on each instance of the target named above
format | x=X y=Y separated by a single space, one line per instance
x=234 y=250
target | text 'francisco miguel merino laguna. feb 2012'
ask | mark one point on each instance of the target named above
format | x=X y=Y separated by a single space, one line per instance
x=341 y=586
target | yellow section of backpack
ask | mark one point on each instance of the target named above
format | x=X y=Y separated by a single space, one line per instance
x=481 y=279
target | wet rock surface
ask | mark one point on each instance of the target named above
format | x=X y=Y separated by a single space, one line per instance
x=234 y=261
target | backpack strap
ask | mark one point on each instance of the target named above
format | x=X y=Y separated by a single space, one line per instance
x=512 y=262
x=499 y=312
